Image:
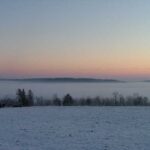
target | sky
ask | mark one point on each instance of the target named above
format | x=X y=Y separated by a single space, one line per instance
x=75 y=38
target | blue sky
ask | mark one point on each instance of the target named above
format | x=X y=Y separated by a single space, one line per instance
x=92 y=38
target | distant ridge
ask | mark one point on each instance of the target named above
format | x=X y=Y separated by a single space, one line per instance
x=65 y=79
x=146 y=81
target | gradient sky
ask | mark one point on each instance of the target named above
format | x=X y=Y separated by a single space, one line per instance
x=77 y=38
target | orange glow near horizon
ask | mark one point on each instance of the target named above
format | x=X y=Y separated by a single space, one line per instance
x=81 y=67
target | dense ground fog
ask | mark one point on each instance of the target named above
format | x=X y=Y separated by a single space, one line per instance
x=77 y=90
x=75 y=128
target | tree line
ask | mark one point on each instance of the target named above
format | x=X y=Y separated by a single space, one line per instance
x=25 y=99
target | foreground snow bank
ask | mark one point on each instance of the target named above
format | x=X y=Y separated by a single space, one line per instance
x=75 y=128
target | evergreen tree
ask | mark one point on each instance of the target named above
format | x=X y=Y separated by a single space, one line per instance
x=67 y=100
x=30 y=98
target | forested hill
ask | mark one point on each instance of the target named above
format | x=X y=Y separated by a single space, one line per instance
x=67 y=79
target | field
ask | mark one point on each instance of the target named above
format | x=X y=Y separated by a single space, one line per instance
x=75 y=128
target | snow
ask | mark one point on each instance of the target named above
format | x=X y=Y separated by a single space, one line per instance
x=75 y=128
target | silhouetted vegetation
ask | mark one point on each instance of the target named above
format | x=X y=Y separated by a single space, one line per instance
x=68 y=100
x=56 y=101
x=27 y=99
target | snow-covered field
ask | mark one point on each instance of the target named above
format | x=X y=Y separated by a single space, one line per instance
x=75 y=128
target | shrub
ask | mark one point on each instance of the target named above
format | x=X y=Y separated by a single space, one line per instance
x=56 y=101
